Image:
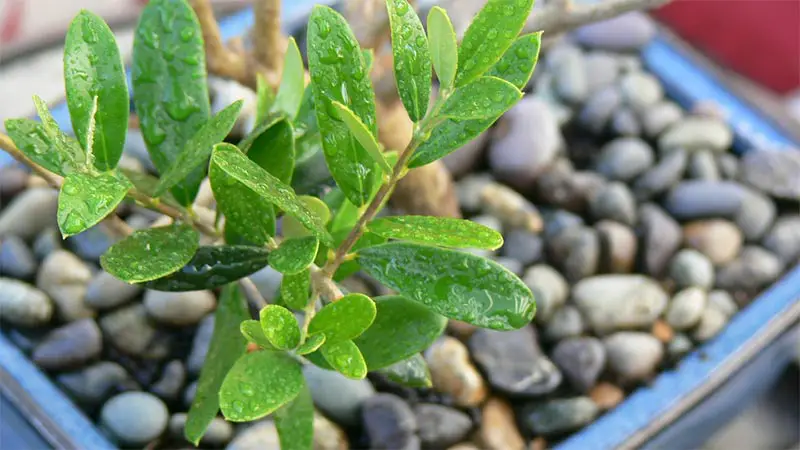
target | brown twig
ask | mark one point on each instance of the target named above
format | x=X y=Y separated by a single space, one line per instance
x=268 y=40
x=560 y=16
x=221 y=59
x=254 y=297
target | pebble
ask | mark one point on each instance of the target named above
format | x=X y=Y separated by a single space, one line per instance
x=26 y=338
x=514 y=363
x=549 y=288
x=720 y=240
x=661 y=177
x=16 y=259
x=513 y=210
x=69 y=346
x=624 y=158
x=218 y=433
x=328 y=435
x=775 y=172
x=582 y=360
x=570 y=78
x=660 y=116
x=625 y=123
x=711 y=323
x=189 y=393
x=660 y=238
x=756 y=215
x=613 y=302
x=723 y=302
x=614 y=202
x=728 y=166
x=179 y=308
x=223 y=93
x=511 y=264
x=784 y=239
x=559 y=416
x=679 y=346
x=686 y=308
x=498 y=430
x=697 y=133
x=170 y=385
x=628 y=32
x=566 y=322
x=268 y=282
x=641 y=90
x=337 y=396
x=135 y=418
x=94 y=384
x=390 y=423
x=576 y=252
x=633 y=356
x=606 y=395
x=559 y=185
x=261 y=435
x=24 y=305
x=618 y=246
x=525 y=140
x=703 y=166
x=603 y=69
x=29 y=213
x=92 y=243
x=64 y=277
x=523 y=246
x=12 y=181
x=558 y=220
x=461 y=330
x=106 y=291
x=469 y=190
x=691 y=268
x=700 y=199
x=440 y=426
x=137 y=148
x=200 y=344
x=752 y=270
x=599 y=109
x=452 y=372
x=662 y=331
x=129 y=330
x=46 y=242
x=466 y=158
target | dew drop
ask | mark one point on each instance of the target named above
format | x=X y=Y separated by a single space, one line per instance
x=323 y=28
x=521 y=52
x=238 y=406
x=187 y=34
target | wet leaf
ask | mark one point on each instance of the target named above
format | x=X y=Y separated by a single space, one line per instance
x=517 y=64
x=93 y=68
x=152 y=253
x=441 y=231
x=457 y=285
x=197 y=150
x=264 y=98
x=401 y=329
x=308 y=141
x=348 y=268
x=339 y=73
x=212 y=267
x=312 y=344
x=258 y=384
x=227 y=345
x=86 y=199
x=290 y=92
x=412 y=58
x=489 y=35
x=146 y=184
x=344 y=319
x=249 y=218
x=295 y=289
x=32 y=138
x=363 y=136
x=252 y=331
x=294 y=255
x=412 y=372
x=369 y=58
x=443 y=47
x=295 y=422
x=292 y=227
x=484 y=98
x=271 y=146
x=280 y=327
x=345 y=358
x=170 y=89
x=230 y=160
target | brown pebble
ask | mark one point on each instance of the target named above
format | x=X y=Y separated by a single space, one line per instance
x=606 y=395
x=720 y=240
x=511 y=208
x=498 y=429
x=35 y=181
x=453 y=373
x=538 y=444
x=461 y=330
x=662 y=331
x=464 y=446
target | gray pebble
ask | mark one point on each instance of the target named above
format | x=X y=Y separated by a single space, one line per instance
x=16 y=259
x=784 y=239
x=728 y=166
x=13 y=180
x=660 y=238
x=189 y=393
x=618 y=247
x=559 y=416
x=697 y=133
x=170 y=385
x=463 y=160
x=633 y=356
x=200 y=344
x=223 y=93
x=468 y=191
x=752 y=270
x=628 y=32
x=268 y=281
x=69 y=346
x=570 y=76
x=691 y=268
x=582 y=360
x=624 y=158
x=440 y=426
x=523 y=246
x=24 y=305
x=576 y=252
x=29 y=213
x=602 y=69
x=702 y=199
x=613 y=302
x=775 y=172
x=660 y=116
x=641 y=90
x=723 y=302
x=614 y=202
x=625 y=123
x=92 y=243
x=559 y=185
x=179 y=308
x=686 y=308
x=390 y=423
x=218 y=433
x=129 y=330
x=679 y=346
x=64 y=277
x=136 y=147
x=599 y=109
x=106 y=291
x=662 y=176
x=48 y=241
x=135 y=418
x=703 y=166
x=94 y=384
x=711 y=323
x=756 y=215
x=340 y=398
x=261 y=435
x=558 y=220
x=566 y=322
x=549 y=288
x=511 y=264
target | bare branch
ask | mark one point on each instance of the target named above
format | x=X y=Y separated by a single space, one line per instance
x=268 y=40
x=220 y=59
x=561 y=15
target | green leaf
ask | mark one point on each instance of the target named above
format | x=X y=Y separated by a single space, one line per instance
x=308 y=141
x=252 y=331
x=152 y=253
x=412 y=372
x=249 y=218
x=443 y=47
x=339 y=73
x=517 y=64
x=348 y=268
x=264 y=98
x=489 y=35
x=295 y=422
x=484 y=98
x=402 y=328
x=258 y=384
x=93 y=68
x=345 y=358
x=197 y=150
x=227 y=345
x=294 y=255
x=441 y=231
x=369 y=58
x=363 y=136
x=290 y=92
x=312 y=344
x=457 y=285
x=228 y=158
x=292 y=227
x=412 y=58
x=295 y=288
x=86 y=199
x=212 y=267
x=170 y=90
x=33 y=140
x=271 y=146
x=280 y=327
x=346 y=216
x=344 y=319
x=146 y=184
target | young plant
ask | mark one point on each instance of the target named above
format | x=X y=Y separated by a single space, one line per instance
x=323 y=239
